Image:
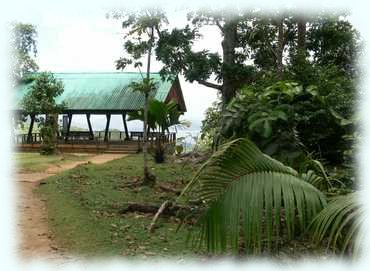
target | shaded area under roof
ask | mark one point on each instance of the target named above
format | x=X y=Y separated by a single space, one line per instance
x=107 y=92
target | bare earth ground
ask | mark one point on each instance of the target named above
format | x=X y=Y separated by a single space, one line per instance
x=36 y=240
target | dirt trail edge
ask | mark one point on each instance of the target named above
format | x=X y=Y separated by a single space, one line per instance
x=35 y=238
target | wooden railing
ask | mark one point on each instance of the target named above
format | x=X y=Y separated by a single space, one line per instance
x=167 y=138
x=112 y=135
x=23 y=138
x=76 y=137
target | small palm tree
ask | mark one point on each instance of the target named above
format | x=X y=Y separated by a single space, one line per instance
x=143 y=30
x=248 y=197
x=161 y=117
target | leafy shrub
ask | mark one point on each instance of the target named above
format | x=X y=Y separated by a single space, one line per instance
x=285 y=120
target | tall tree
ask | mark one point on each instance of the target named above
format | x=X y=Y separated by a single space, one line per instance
x=333 y=41
x=143 y=29
x=265 y=38
x=25 y=49
x=175 y=50
x=319 y=54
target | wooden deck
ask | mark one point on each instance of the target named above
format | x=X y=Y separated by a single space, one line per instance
x=85 y=148
x=84 y=144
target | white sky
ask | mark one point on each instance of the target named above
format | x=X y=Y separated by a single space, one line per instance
x=89 y=42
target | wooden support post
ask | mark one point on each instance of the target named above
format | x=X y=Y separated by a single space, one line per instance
x=69 y=125
x=13 y=127
x=107 y=128
x=90 y=127
x=29 y=136
x=125 y=125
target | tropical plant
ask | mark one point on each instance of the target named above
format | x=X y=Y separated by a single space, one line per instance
x=268 y=116
x=161 y=117
x=286 y=120
x=248 y=197
x=143 y=29
x=339 y=223
x=41 y=100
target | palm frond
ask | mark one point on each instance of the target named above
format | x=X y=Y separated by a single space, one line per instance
x=321 y=183
x=339 y=222
x=248 y=195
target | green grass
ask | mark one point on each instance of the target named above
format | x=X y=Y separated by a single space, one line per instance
x=33 y=162
x=83 y=209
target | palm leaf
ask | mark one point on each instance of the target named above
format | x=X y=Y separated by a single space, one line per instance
x=248 y=194
x=339 y=223
x=321 y=183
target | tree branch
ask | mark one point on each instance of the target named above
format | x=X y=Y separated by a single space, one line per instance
x=219 y=25
x=155 y=218
x=158 y=31
x=209 y=84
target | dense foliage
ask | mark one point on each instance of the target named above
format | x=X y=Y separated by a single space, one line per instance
x=41 y=100
x=298 y=109
x=303 y=108
x=287 y=120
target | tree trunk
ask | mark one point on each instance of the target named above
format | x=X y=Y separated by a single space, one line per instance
x=49 y=134
x=55 y=128
x=30 y=129
x=148 y=178
x=301 y=42
x=228 y=46
x=280 y=49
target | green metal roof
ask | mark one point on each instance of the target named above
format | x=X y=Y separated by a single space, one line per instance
x=101 y=91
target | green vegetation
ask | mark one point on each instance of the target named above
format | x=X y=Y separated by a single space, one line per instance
x=35 y=162
x=41 y=100
x=299 y=111
x=161 y=117
x=25 y=50
x=84 y=204
x=245 y=196
x=340 y=222
x=140 y=42
x=278 y=160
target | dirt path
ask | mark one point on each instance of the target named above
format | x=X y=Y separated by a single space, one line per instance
x=35 y=238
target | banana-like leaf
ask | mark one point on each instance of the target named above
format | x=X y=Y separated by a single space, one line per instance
x=249 y=197
x=339 y=222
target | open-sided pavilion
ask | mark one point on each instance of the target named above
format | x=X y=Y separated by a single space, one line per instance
x=98 y=94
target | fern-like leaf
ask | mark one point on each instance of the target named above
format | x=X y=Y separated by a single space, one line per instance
x=339 y=223
x=250 y=196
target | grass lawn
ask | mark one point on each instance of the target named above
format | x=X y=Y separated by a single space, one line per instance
x=83 y=208
x=33 y=161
